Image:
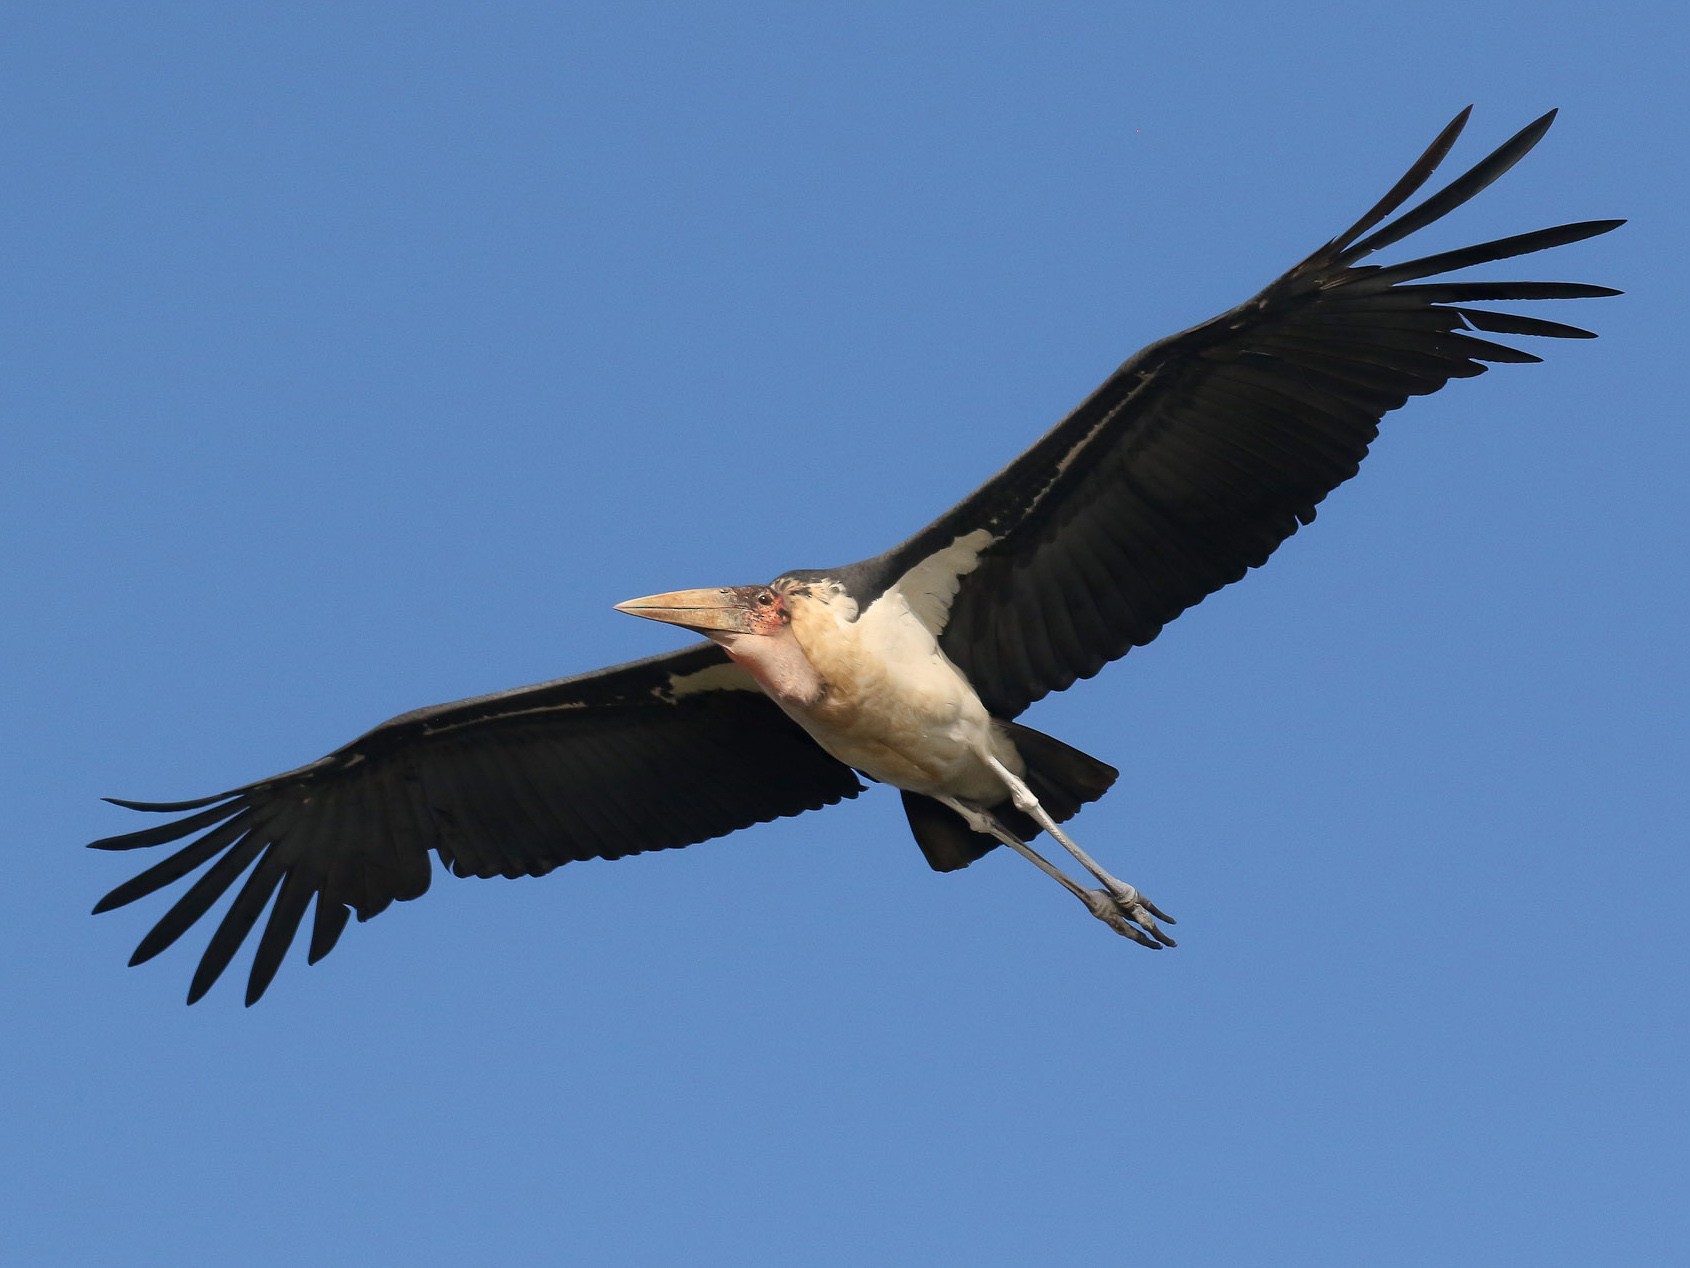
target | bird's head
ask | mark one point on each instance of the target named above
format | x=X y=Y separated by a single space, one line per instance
x=753 y=624
x=723 y=613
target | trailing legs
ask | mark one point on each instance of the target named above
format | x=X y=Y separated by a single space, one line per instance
x=1118 y=905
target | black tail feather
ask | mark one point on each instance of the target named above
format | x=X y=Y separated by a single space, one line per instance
x=1061 y=777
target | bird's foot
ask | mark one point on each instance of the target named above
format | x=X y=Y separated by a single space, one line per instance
x=1129 y=913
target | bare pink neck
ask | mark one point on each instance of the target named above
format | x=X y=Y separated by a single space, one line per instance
x=778 y=664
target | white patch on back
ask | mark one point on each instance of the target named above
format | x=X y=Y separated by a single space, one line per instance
x=928 y=589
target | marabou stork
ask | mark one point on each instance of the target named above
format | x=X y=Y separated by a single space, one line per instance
x=1186 y=468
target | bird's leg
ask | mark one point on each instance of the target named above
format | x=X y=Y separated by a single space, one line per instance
x=1103 y=904
x=1131 y=902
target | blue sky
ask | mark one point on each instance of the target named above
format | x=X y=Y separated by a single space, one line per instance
x=361 y=356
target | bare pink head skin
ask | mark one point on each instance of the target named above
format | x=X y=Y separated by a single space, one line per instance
x=751 y=623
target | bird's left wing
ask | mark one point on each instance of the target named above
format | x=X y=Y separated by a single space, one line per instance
x=658 y=753
x=1203 y=452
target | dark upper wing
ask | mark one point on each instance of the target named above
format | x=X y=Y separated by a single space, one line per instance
x=1206 y=450
x=657 y=753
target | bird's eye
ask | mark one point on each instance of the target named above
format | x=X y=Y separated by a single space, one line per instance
x=764 y=599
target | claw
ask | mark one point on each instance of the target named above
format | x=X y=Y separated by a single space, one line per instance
x=1156 y=911
x=1162 y=938
x=1126 y=919
x=1140 y=910
x=1143 y=940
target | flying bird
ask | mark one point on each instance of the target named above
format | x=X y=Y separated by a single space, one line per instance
x=1185 y=469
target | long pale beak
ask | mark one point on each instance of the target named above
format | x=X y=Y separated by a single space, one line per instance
x=723 y=608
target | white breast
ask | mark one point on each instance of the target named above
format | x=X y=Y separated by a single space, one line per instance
x=894 y=706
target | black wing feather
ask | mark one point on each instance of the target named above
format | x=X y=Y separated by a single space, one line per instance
x=598 y=766
x=1187 y=467
x=1203 y=452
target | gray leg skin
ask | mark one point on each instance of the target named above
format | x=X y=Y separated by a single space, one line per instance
x=1126 y=898
x=1121 y=907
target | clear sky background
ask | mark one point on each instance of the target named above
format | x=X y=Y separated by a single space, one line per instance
x=360 y=356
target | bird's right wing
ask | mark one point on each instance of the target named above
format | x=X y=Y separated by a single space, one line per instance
x=649 y=755
x=1202 y=453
